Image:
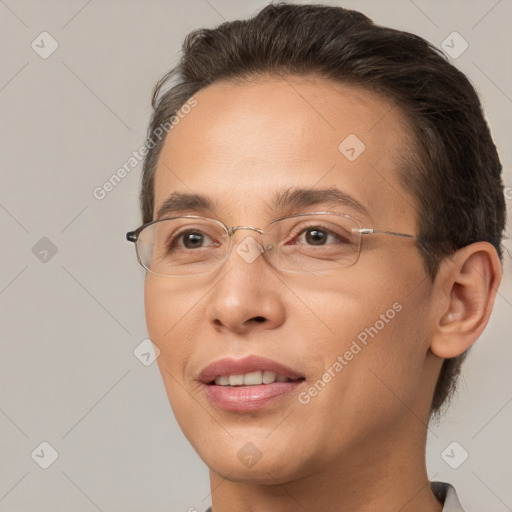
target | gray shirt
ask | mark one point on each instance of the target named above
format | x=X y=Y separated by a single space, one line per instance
x=444 y=492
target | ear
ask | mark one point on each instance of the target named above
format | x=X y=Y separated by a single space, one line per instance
x=464 y=292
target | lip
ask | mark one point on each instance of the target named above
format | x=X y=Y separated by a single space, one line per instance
x=247 y=398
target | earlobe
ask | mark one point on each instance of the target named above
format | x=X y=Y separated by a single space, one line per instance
x=467 y=284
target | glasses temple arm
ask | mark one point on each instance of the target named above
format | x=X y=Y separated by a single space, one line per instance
x=369 y=231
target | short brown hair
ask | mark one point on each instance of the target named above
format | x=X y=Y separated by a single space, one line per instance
x=454 y=170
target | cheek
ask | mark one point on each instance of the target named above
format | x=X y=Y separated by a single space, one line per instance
x=381 y=334
x=167 y=319
x=157 y=308
x=170 y=324
x=173 y=317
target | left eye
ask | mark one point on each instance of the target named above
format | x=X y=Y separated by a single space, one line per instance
x=317 y=236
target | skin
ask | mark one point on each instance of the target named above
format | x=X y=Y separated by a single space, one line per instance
x=360 y=443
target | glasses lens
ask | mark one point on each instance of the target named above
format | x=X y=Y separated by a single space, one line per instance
x=181 y=246
x=313 y=242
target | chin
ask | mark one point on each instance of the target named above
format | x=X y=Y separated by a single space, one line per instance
x=267 y=472
x=249 y=458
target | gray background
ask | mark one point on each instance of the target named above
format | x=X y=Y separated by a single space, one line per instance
x=71 y=320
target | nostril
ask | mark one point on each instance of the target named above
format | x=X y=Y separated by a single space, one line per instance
x=259 y=319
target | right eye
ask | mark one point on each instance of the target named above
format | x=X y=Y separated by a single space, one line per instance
x=189 y=239
x=192 y=239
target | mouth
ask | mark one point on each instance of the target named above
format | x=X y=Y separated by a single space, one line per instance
x=248 y=384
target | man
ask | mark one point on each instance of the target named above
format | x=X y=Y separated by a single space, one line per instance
x=323 y=212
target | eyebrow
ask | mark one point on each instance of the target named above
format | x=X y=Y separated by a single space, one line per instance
x=284 y=201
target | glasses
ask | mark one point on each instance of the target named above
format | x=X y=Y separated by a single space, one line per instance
x=305 y=242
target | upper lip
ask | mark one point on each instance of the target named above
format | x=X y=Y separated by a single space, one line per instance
x=248 y=364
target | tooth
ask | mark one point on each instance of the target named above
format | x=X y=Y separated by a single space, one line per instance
x=236 y=380
x=253 y=378
x=250 y=379
x=269 y=377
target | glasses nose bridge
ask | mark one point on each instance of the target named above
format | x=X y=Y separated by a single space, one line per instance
x=233 y=229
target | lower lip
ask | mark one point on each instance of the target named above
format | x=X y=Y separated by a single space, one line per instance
x=249 y=398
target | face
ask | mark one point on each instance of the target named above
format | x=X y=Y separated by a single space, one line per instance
x=355 y=342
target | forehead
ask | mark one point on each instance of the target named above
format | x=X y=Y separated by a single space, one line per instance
x=244 y=141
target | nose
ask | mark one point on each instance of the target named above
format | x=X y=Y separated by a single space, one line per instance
x=247 y=296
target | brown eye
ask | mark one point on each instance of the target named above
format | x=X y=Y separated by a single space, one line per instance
x=192 y=239
x=318 y=236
